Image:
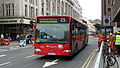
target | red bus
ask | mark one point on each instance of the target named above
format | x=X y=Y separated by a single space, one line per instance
x=59 y=35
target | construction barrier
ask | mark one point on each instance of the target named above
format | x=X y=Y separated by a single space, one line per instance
x=4 y=41
x=99 y=60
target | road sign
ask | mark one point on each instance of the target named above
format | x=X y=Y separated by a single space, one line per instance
x=106 y=21
x=23 y=42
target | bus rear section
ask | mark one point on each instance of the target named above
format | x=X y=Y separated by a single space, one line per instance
x=52 y=36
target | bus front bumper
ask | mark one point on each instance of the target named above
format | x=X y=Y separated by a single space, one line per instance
x=53 y=53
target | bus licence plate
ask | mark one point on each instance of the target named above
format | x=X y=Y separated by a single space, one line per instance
x=51 y=54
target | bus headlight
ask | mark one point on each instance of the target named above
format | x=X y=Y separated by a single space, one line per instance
x=37 y=50
x=67 y=51
x=60 y=46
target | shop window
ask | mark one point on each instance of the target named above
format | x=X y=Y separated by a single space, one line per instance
x=118 y=24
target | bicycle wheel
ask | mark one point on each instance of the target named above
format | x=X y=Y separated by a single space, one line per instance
x=111 y=60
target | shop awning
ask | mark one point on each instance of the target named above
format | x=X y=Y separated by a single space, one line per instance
x=117 y=17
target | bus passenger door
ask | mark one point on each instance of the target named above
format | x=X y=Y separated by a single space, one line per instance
x=73 y=38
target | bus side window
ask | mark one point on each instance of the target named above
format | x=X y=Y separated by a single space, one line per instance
x=81 y=32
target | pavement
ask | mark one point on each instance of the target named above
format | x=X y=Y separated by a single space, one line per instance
x=12 y=44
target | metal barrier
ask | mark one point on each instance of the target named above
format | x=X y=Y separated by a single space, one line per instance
x=99 y=60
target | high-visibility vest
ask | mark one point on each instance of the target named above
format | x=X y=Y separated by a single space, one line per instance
x=117 y=40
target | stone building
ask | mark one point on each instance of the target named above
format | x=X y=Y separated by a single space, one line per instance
x=106 y=16
x=112 y=8
x=116 y=14
x=15 y=15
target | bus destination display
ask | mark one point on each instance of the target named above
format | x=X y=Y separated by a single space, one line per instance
x=52 y=20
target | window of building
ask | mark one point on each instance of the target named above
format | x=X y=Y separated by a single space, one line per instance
x=3 y=8
x=30 y=11
x=36 y=12
x=58 y=10
x=47 y=5
x=58 y=1
x=62 y=9
x=118 y=24
x=42 y=7
x=54 y=7
x=9 y=12
x=66 y=8
x=13 y=9
x=6 y=6
x=69 y=10
x=109 y=9
x=109 y=1
x=36 y=2
x=25 y=10
x=58 y=7
x=30 y=1
x=8 y=9
x=26 y=0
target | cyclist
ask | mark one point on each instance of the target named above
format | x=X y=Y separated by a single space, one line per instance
x=101 y=38
x=110 y=42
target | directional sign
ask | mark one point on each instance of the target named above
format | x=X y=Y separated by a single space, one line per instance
x=106 y=21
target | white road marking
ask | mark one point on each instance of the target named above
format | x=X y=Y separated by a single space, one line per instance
x=50 y=63
x=14 y=48
x=17 y=47
x=5 y=63
x=30 y=56
x=2 y=50
x=2 y=55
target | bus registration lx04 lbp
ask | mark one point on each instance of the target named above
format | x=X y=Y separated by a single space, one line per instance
x=51 y=54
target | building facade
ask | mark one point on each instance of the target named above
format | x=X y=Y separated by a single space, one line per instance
x=116 y=14
x=15 y=15
x=107 y=15
x=112 y=8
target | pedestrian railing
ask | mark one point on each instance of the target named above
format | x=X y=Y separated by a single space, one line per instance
x=99 y=60
x=106 y=58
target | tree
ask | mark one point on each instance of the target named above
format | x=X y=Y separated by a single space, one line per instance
x=97 y=26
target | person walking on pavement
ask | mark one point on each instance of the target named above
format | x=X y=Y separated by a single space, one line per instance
x=17 y=37
x=117 y=43
x=2 y=36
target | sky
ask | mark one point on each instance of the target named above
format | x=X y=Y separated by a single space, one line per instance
x=91 y=9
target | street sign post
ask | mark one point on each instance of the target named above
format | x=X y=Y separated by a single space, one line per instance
x=106 y=21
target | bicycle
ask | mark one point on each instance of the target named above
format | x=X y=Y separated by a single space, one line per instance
x=109 y=58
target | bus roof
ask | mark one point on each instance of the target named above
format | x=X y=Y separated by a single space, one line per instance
x=62 y=16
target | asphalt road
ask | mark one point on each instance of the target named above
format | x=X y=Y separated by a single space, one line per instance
x=24 y=58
